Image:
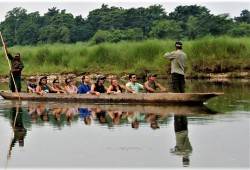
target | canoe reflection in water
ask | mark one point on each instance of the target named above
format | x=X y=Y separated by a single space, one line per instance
x=100 y=114
x=183 y=146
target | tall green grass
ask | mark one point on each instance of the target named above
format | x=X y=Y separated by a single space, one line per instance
x=206 y=55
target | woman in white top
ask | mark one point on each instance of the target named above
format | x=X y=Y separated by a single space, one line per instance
x=70 y=88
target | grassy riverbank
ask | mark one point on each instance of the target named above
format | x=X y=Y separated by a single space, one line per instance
x=207 y=55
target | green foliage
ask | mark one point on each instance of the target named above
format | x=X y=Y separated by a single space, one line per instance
x=218 y=55
x=114 y=24
x=166 y=29
x=244 y=16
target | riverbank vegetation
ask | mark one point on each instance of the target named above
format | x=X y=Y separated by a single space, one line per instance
x=205 y=55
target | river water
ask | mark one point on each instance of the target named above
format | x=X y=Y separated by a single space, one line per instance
x=70 y=135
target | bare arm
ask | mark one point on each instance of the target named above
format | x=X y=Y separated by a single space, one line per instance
x=75 y=89
x=129 y=89
x=109 y=90
x=92 y=90
x=67 y=90
x=160 y=87
x=150 y=89
x=39 y=90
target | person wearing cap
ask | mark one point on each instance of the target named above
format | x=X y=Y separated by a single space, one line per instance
x=151 y=85
x=31 y=87
x=133 y=86
x=178 y=62
x=17 y=66
x=98 y=87
x=84 y=87
x=43 y=87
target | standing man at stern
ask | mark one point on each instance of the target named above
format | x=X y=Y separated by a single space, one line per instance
x=16 y=69
x=178 y=61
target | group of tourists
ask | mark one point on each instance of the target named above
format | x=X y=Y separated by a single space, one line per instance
x=96 y=88
x=178 y=62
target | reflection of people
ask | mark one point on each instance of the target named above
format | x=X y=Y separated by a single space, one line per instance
x=183 y=146
x=18 y=128
x=85 y=113
x=134 y=118
x=178 y=61
x=152 y=119
x=16 y=69
x=33 y=113
x=101 y=116
x=57 y=112
x=116 y=116
x=71 y=113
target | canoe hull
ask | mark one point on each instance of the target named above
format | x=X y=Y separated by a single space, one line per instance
x=139 y=98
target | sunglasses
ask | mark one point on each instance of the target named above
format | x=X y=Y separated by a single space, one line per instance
x=56 y=82
x=68 y=81
x=133 y=77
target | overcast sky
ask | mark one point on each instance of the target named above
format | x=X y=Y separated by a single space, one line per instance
x=83 y=7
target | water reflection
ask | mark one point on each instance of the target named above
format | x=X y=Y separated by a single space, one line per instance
x=110 y=115
x=19 y=131
x=183 y=146
x=107 y=116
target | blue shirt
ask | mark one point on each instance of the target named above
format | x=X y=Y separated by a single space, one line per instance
x=83 y=89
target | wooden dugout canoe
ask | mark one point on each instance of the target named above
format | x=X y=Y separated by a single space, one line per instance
x=138 y=98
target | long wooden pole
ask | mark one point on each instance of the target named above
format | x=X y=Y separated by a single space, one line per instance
x=9 y=65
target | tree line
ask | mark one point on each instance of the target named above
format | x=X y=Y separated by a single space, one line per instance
x=114 y=24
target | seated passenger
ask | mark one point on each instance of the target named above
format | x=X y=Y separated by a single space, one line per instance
x=84 y=87
x=132 y=86
x=42 y=86
x=114 y=87
x=31 y=87
x=70 y=88
x=56 y=88
x=98 y=88
x=151 y=85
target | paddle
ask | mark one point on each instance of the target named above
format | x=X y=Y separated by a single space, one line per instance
x=5 y=50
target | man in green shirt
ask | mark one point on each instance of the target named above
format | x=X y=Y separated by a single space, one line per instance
x=16 y=69
x=178 y=61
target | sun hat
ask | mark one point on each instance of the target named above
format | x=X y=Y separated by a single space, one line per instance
x=32 y=78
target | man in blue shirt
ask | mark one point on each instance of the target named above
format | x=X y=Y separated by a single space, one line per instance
x=84 y=87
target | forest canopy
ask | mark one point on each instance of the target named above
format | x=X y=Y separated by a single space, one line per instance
x=114 y=24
